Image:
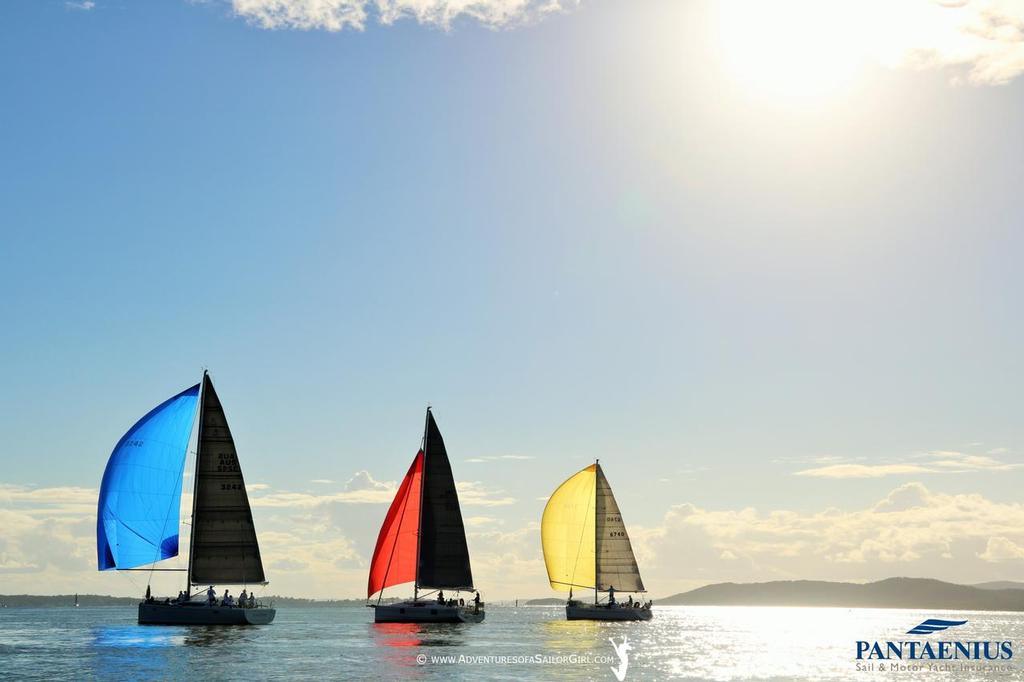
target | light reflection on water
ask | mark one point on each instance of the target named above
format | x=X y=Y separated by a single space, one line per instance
x=135 y=637
x=711 y=643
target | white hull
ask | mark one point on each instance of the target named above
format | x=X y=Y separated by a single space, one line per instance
x=198 y=613
x=616 y=613
x=425 y=612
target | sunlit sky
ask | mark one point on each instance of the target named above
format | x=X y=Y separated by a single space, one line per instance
x=762 y=259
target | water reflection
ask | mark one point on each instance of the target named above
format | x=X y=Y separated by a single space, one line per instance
x=420 y=634
x=135 y=651
x=401 y=643
x=136 y=636
x=396 y=634
x=213 y=635
x=578 y=636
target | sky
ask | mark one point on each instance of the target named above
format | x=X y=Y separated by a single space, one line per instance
x=761 y=259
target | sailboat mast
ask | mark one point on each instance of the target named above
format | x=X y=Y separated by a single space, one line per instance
x=195 y=486
x=419 y=518
x=597 y=471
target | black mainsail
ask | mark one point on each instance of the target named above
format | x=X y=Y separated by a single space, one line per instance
x=224 y=548
x=443 y=557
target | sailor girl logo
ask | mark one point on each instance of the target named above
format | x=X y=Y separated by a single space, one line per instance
x=622 y=650
x=935 y=650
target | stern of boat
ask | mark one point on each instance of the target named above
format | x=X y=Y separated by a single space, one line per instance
x=259 y=616
x=469 y=615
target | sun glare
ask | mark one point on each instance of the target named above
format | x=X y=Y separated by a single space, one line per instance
x=790 y=51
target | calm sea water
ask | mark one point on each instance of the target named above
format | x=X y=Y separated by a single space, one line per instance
x=713 y=643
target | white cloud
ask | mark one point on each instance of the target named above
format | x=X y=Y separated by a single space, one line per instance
x=290 y=565
x=977 y=41
x=46 y=531
x=362 y=480
x=983 y=38
x=500 y=458
x=83 y=5
x=312 y=545
x=1001 y=549
x=800 y=45
x=362 y=488
x=908 y=496
x=508 y=564
x=473 y=493
x=337 y=15
x=318 y=546
x=328 y=15
x=911 y=531
x=63 y=500
x=934 y=462
x=308 y=500
x=861 y=470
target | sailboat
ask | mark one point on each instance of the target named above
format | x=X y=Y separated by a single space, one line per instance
x=586 y=547
x=139 y=511
x=423 y=541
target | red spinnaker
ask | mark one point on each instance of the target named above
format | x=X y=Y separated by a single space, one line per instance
x=394 y=557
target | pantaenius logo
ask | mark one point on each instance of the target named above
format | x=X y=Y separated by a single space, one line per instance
x=941 y=650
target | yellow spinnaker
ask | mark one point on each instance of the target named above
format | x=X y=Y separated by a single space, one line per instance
x=567 y=532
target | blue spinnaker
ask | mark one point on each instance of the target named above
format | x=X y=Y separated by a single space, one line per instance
x=140 y=497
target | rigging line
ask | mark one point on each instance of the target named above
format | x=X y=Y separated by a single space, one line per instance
x=200 y=418
x=127 y=527
x=559 y=582
x=419 y=517
x=135 y=587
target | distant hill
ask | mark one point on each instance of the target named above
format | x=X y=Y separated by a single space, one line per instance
x=67 y=600
x=547 y=601
x=1000 y=585
x=893 y=593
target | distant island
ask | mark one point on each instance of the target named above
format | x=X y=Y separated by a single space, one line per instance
x=547 y=601
x=68 y=600
x=892 y=593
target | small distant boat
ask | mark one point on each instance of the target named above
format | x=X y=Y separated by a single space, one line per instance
x=423 y=541
x=586 y=547
x=139 y=510
x=76 y=600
